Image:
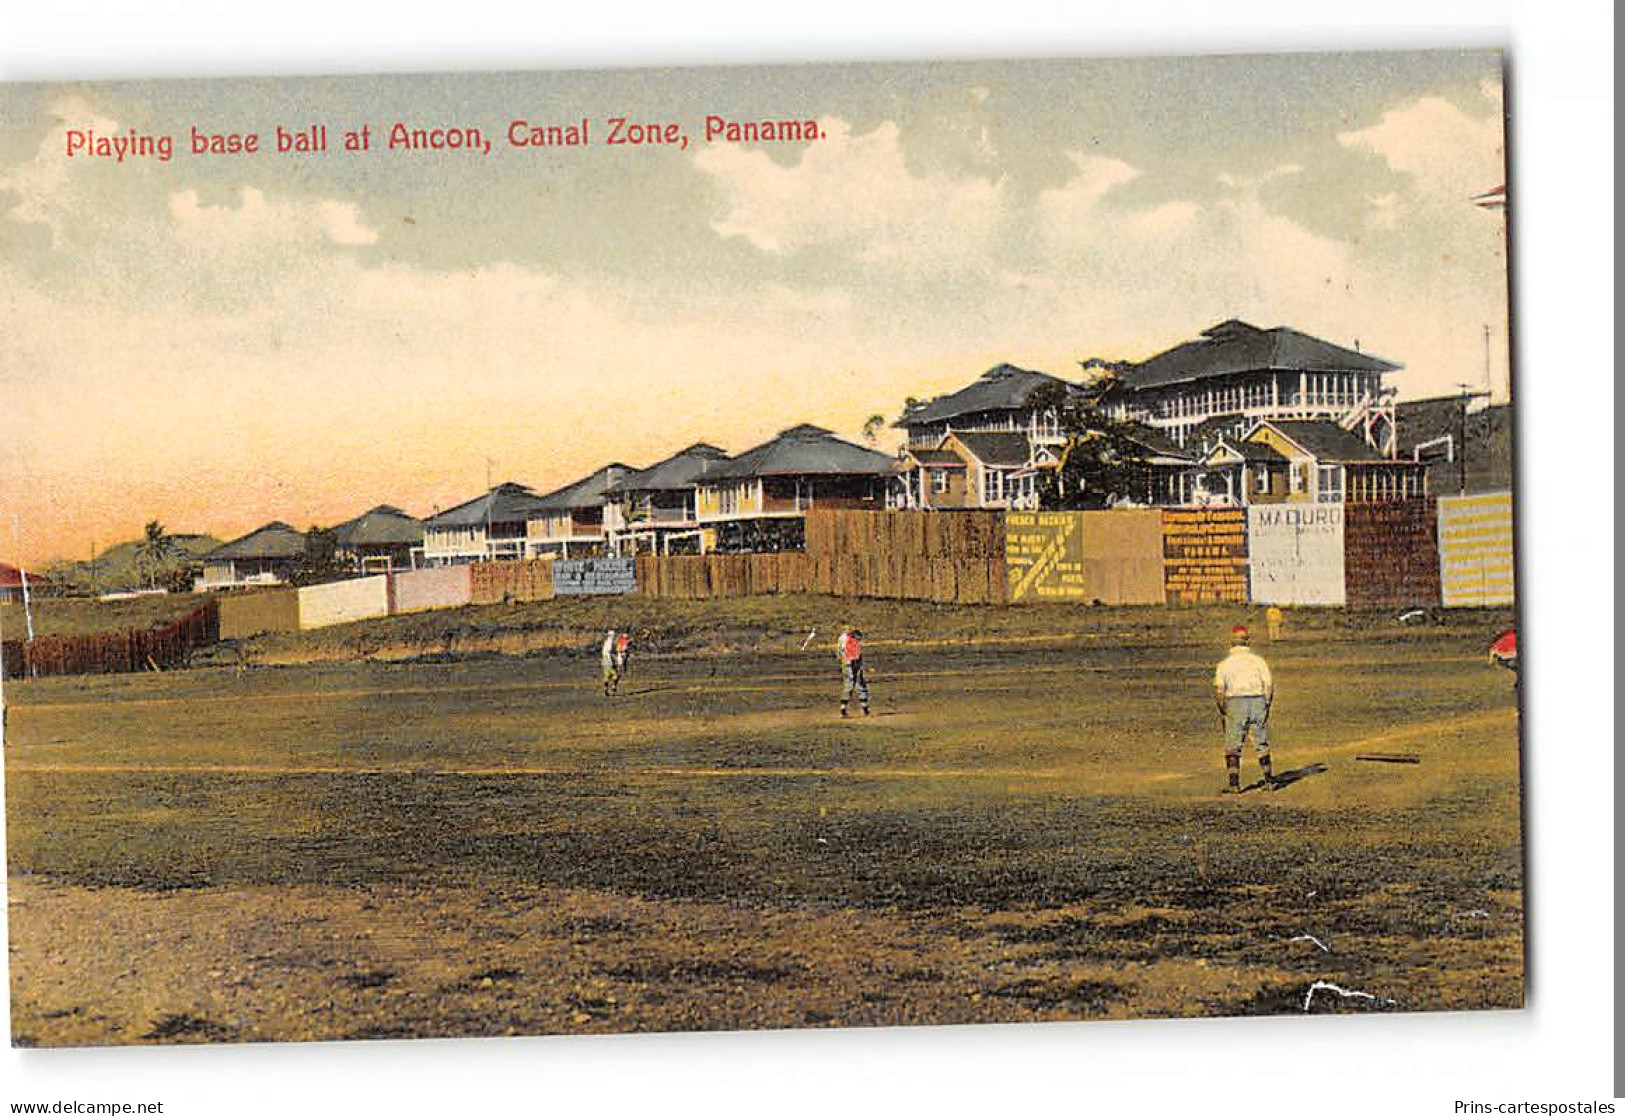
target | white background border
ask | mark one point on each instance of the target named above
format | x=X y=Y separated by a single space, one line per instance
x=1561 y=98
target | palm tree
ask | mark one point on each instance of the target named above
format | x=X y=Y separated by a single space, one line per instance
x=155 y=547
x=872 y=427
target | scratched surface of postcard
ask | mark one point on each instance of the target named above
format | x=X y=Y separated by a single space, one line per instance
x=759 y=547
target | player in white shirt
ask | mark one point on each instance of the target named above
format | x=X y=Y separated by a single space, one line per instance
x=1243 y=689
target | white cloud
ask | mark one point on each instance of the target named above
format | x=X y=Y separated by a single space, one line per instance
x=1445 y=153
x=259 y=221
x=856 y=191
x=43 y=184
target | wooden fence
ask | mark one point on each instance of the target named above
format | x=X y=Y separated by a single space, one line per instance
x=530 y=579
x=137 y=649
x=955 y=558
x=692 y=577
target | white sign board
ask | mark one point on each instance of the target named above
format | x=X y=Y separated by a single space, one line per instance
x=1295 y=553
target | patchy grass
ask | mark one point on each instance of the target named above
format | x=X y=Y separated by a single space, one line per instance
x=75 y=616
x=1028 y=828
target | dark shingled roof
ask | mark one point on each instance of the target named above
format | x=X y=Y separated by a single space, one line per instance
x=1001 y=388
x=803 y=451
x=938 y=457
x=506 y=503
x=679 y=471
x=381 y=526
x=1326 y=441
x=591 y=491
x=275 y=540
x=1249 y=451
x=1234 y=346
x=1156 y=441
x=997 y=449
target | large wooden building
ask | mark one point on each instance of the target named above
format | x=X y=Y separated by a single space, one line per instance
x=1236 y=375
x=655 y=510
x=760 y=499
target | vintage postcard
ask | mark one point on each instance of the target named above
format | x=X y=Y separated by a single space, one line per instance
x=818 y=546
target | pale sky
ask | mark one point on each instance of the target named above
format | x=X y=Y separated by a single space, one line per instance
x=217 y=342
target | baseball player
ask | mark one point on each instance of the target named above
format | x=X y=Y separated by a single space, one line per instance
x=623 y=652
x=849 y=651
x=1243 y=689
x=612 y=664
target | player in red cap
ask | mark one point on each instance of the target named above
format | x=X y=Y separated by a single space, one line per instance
x=1243 y=689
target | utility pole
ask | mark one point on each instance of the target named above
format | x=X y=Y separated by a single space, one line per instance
x=1461 y=438
x=490 y=498
x=28 y=608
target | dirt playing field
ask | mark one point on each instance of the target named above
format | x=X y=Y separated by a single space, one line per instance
x=1028 y=828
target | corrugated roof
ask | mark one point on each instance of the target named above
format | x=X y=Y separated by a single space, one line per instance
x=997 y=449
x=591 y=491
x=274 y=540
x=384 y=525
x=506 y=503
x=1326 y=441
x=679 y=471
x=803 y=451
x=1001 y=388
x=1234 y=346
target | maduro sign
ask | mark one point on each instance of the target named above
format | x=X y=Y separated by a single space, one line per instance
x=1296 y=552
x=1204 y=555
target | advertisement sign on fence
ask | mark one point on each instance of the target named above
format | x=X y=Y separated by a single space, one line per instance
x=1475 y=549
x=1295 y=553
x=1044 y=552
x=1204 y=554
x=592 y=577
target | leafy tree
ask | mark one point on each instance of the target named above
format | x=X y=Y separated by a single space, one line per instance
x=320 y=563
x=1101 y=463
x=153 y=551
x=872 y=426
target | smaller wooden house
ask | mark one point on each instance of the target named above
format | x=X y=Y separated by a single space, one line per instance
x=487 y=527
x=11 y=583
x=383 y=539
x=760 y=499
x=654 y=510
x=265 y=556
x=570 y=520
x=1291 y=461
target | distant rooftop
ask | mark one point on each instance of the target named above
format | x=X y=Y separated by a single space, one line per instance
x=1001 y=388
x=1234 y=346
x=274 y=540
x=506 y=503
x=804 y=451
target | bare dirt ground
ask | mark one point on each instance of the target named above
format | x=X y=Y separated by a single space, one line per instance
x=1027 y=829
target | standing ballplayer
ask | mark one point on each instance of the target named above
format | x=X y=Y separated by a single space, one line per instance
x=1243 y=688
x=849 y=650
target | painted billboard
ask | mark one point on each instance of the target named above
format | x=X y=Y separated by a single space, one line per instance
x=1204 y=555
x=1475 y=549
x=1114 y=557
x=1295 y=554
